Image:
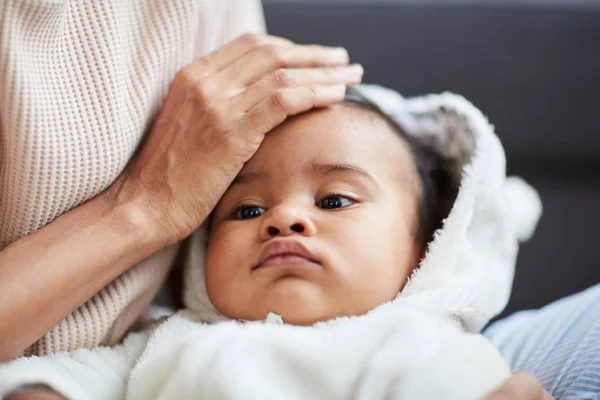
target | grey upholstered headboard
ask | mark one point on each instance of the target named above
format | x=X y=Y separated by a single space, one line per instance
x=533 y=67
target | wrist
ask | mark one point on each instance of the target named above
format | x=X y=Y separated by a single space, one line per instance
x=135 y=214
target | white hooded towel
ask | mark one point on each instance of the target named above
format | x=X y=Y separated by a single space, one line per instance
x=425 y=344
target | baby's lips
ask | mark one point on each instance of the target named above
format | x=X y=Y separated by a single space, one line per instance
x=285 y=247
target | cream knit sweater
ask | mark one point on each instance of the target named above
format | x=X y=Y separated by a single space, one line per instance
x=80 y=81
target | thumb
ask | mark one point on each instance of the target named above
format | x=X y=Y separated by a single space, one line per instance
x=520 y=386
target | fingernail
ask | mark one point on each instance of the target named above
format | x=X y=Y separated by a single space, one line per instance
x=352 y=74
x=339 y=54
x=356 y=69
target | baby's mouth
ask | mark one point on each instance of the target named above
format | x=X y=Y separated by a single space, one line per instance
x=285 y=259
x=285 y=252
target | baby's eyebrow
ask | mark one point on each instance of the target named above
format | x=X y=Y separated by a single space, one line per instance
x=247 y=177
x=341 y=168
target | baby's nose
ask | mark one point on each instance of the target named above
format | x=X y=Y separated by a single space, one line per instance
x=285 y=222
x=274 y=231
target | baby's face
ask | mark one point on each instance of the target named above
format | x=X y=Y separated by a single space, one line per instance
x=319 y=224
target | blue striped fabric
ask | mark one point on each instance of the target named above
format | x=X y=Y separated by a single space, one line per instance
x=559 y=343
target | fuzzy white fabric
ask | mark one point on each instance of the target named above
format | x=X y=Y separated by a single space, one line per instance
x=422 y=345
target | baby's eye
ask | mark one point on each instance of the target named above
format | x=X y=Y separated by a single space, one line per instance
x=249 y=212
x=337 y=201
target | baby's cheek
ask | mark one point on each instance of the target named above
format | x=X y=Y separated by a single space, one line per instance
x=368 y=251
x=217 y=267
x=211 y=275
x=394 y=252
x=229 y=257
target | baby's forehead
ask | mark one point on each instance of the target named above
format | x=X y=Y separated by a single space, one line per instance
x=344 y=129
x=337 y=135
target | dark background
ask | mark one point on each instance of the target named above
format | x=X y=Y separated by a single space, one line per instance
x=533 y=67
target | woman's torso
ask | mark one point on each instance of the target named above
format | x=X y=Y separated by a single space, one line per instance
x=80 y=82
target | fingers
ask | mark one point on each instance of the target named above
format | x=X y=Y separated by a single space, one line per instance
x=266 y=59
x=520 y=386
x=244 y=44
x=206 y=66
x=228 y=71
x=228 y=53
x=275 y=108
x=290 y=78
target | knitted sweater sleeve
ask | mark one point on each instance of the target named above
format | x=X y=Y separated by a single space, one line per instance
x=80 y=83
x=237 y=17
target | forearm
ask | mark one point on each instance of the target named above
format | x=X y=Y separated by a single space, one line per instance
x=48 y=274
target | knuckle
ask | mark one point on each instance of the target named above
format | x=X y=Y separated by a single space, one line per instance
x=282 y=78
x=252 y=39
x=202 y=92
x=215 y=117
x=313 y=93
x=185 y=75
x=229 y=138
x=280 y=100
x=224 y=130
x=274 y=54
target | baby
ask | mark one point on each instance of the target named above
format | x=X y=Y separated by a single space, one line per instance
x=315 y=241
x=328 y=219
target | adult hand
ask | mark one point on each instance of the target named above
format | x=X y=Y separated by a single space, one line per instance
x=35 y=392
x=214 y=118
x=37 y=395
x=520 y=386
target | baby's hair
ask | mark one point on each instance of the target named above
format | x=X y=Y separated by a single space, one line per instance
x=438 y=180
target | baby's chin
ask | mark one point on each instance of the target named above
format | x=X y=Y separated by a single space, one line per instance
x=296 y=301
x=292 y=316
